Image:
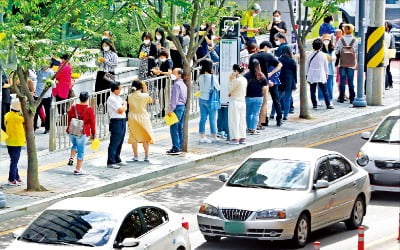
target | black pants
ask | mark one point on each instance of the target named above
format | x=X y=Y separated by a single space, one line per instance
x=313 y=89
x=273 y=91
x=388 y=78
x=5 y=108
x=46 y=103
x=102 y=84
x=117 y=130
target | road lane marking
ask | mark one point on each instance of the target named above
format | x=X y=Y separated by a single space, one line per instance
x=380 y=241
x=11 y=230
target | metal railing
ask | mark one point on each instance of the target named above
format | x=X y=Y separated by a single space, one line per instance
x=159 y=88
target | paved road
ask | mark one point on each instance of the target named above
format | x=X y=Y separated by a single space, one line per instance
x=185 y=191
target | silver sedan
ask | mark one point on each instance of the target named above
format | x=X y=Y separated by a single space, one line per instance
x=286 y=193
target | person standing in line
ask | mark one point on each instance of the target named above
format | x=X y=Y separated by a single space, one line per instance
x=64 y=80
x=256 y=85
x=140 y=130
x=247 y=22
x=389 y=44
x=317 y=73
x=178 y=106
x=277 y=25
x=5 y=96
x=280 y=40
x=347 y=62
x=186 y=37
x=173 y=49
x=147 y=55
x=107 y=61
x=14 y=123
x=116 y=108
x=237 y=106
x=160 y=40
x=328 y=49
x=84 y=112
x=327 y=27
x=266 y=60
x=164 y=68
x=207 y=81
x=42 y=74
x=203 y=50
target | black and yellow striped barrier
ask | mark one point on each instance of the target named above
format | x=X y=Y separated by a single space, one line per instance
x=375 y=49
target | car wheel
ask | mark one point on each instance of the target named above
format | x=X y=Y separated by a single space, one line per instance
x=302 y=231
x=357 y=214
x=209 y=238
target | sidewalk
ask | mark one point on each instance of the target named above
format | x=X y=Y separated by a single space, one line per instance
x=57 y=177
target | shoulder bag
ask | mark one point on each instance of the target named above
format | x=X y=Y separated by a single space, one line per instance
x=214 y=101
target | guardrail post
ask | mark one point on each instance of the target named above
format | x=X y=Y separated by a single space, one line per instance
x=317 y=245
x=361 y=238
x=53 y=119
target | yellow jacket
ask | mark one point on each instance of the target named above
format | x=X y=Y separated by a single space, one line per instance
x=14 y=129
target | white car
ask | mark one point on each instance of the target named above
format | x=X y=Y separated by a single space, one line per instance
x=380 y=155
x=105 y=223
x=286 y=193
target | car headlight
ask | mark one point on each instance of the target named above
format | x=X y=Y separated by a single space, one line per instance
x=208 y=210
x=271 y=213
x=362 y=159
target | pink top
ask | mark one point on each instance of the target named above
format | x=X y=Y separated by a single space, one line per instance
x=63 y=82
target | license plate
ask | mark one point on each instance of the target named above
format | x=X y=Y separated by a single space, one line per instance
x=235 y=228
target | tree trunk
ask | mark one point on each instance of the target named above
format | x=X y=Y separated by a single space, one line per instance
x=304 y=113
x=187 y=78
x=33 y=173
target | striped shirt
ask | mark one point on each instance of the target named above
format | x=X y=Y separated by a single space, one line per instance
x=111 y=61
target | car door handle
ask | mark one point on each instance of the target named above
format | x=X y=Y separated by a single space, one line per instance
x=354 y=183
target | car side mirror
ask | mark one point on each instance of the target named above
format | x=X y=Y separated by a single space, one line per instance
x=366 y=135
x=223 y=177
x=129 y=242
x=321 y=184
x=17 y=233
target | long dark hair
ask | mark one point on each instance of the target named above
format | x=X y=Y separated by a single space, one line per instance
x=162 y=33
x=109 y=43
x=255 y=70
x=330 y=49
x=206 y=66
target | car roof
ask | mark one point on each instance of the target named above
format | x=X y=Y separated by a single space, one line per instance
x=395 y=112
x=292 y=153
x=114 y=205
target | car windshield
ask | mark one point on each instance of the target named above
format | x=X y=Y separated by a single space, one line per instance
x=272 y=174
x=388 y=131
x=73 y=227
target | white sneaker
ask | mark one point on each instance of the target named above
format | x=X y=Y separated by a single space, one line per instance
x=122 y=163
x=204 y=140
x=78 y=172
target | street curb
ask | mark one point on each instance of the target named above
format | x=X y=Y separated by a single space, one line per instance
x=322 y=127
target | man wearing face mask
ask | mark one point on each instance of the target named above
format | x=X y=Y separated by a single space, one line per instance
x=276 y=26
x=247 y=24
x=178 y=106
x=327 y=26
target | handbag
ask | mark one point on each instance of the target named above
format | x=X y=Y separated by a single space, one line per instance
x=109 y=77
x=76 y=124
x=214 y=101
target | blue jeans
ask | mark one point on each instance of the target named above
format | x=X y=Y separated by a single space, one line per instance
x=285 y=99
x=78 y=145
x=211 y=114
x=15 y=153
x=346 y=74
x=253 y=107
x=329 y=88
x=176 y=130
x=117 y=130
x=222 y=121
x=214 y=56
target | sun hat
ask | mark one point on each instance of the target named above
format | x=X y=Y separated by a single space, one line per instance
x=16 y=105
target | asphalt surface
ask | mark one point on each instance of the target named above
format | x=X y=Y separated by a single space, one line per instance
x=185 y=191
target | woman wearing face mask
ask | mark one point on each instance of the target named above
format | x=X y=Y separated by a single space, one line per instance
x=175 y=55
x=147 y=55
x=203 y=50
x=164 y=68
x=277 y=25
x=327 y=26
x=107 y=62
x=280 y=40
x=160 y=41
x=186 y=37
x=328 y=49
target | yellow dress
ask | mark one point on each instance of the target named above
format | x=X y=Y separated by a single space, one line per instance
x=139 y=124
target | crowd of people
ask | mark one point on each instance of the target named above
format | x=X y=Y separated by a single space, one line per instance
x=269 y=70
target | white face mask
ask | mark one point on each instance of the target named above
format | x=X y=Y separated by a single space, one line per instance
x=277 y=19
x=158 y=37
x=254 y=14
x=202 y=27
x=106 y=48
x=326 y=42
x=278 y=42
x=163 y=59
x=147 y=42
x=173 y=77
x=104 y=37
x=331 y=22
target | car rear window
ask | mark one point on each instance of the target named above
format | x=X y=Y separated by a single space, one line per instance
x=71 y=227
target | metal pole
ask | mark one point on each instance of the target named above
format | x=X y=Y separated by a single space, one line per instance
x=375 y=76
x=360 y=101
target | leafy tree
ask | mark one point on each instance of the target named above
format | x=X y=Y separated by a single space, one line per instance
x=33 y=32
x=194 y=12
x=314 y=11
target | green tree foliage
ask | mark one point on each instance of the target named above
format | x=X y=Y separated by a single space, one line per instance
x=314 y=11
x=33 y=32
